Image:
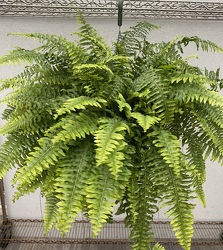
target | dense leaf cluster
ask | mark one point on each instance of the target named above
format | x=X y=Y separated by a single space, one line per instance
x=93 y=128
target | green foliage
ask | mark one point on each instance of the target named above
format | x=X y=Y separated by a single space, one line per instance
x=158 y=247
x=93 y=128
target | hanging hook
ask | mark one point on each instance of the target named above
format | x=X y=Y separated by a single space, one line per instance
x=120 y=11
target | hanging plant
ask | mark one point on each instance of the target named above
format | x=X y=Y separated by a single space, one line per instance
x=93 y=126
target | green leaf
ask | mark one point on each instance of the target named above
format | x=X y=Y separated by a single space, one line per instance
x=73 y=173
x=145 y=121
x=73 y=127
x=123 y=105
x=157 y=246
x=168 y=146
x=81 y=102
x=37 y=161
x=109 y=140
x=102 y=192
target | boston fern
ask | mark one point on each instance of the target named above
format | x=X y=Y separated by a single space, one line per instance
x=94 y=126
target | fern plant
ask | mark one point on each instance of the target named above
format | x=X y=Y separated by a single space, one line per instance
x=94 y=126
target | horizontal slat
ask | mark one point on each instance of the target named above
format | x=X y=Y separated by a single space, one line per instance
x=31 y=231
x=108 y=8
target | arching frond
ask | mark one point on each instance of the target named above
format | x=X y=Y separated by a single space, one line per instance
x=98 y=72
x=48 y=190
x=110 y=142
x=157 y=246
x=39 y=160
x=73 y=173
x=185 y=93
x=145 y=121
x=131 y=40
x=175 y=192
x=51 y=44
x=81 y=102
x=19 y=56
x=74 y=126
x=103 y=191
x=50 y=212
x=180 y=212
x=158 y=97
x=14 y=150
x=205 y=45
x=91 y=40
x=168 y=146
x=141 y=213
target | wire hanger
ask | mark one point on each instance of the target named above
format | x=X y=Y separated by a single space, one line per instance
x=120 y=12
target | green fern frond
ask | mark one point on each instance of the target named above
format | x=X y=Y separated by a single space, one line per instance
x=81 y=102
x=48 y=190
x=189 y=78
x=214 y=76
x=33 y=96
x=116 y=158
x=93 y=44
x=157 y=246
x=123 y=105
x=198 y=185
x=7 y=113
x=145 y=121
x=51 y=43
x=72 y=175
x=32 y=107
x=215 y=134
x=108 y=138
x=194 y=129
x=143 y=198
x=26 y=188
x=37 y=161
x=176 y=193
x=74 y=126
x=20 y=55
x=197 y=167
x=185 y=93
x=97 y=72
x=162 y=105
x=111 y=90
x=50 y=212
x=91 y=40
x=205 y=45
x=145 y=79
x=28 y=123
x=118 y=62
x=11 y=83
x=14 y=151
x=168 y=146
x=130 y=40
x=13 y=125
x=215 y=114
x=39 y=74
x=178 y=199
x=77 y=55
x=102 y=192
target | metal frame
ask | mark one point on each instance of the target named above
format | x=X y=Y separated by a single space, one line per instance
x=31 y=231
x=211 y=10
x=3 y=205
x=14 y=231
